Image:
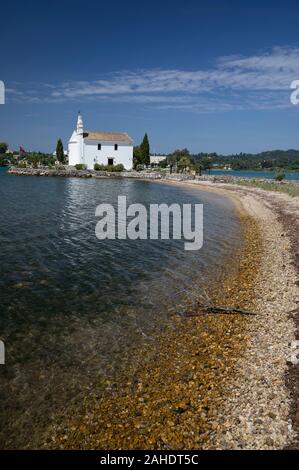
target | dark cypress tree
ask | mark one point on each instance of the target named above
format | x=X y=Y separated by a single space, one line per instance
x=3 y=147
x=145 y=150
x=136 y=157
x=59 y=151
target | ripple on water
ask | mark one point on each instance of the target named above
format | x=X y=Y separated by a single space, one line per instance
x=72 y=306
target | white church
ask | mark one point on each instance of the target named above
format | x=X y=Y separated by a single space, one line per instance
x=107 y=148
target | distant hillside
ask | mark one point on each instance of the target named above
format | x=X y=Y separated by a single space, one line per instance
x=271 y=160
x=287 y=159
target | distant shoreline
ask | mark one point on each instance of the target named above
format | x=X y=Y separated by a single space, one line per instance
x=154 y=174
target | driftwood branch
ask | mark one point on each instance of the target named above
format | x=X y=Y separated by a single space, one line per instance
x=217 y=309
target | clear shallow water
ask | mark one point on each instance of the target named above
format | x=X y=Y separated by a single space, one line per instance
x=253 y=174
x=72 y=306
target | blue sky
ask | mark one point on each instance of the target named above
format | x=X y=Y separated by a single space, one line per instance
x=207 y=75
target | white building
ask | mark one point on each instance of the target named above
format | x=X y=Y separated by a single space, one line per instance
x=65 y=152
x=107 y=148
x=156 y=159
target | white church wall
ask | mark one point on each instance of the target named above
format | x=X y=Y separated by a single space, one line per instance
x=123 y=154
x=74 y=148
x=73 y=153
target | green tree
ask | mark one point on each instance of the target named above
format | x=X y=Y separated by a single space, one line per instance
x=59 y=151
x=3 y=147
x=3 y=160
x=145 y=150
x=136 y=157
x=163 y=163
x=183 y=163
x=179 y=153
x=206 y=163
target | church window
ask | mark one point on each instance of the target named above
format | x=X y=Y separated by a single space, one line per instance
x=115 y=147
x=99 y=146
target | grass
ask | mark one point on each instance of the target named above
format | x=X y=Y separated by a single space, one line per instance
x=290 y=188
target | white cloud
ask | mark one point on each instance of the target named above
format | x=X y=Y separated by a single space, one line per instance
x=235 y=82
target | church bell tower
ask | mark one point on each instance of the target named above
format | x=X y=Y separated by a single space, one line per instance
x=80 y=124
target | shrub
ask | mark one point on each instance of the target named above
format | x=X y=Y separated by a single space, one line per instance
x=111 y=168
x=99 y=167
x=280 y=176
x=80 y=166
x=119 y=167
